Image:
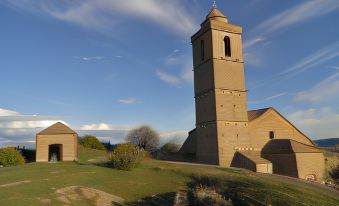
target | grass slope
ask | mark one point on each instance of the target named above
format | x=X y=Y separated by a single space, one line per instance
x=154 y=183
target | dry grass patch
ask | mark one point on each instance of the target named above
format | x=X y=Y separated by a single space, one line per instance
x=72 y=194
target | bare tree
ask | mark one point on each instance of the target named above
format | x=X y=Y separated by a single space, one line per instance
x=144 y=137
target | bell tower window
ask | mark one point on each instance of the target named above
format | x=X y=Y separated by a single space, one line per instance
x=202 y=48
x=227 y=43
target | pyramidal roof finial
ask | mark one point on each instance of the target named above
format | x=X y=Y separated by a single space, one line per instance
x=214 y=6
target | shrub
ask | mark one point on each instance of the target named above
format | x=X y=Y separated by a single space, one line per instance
x=201 y=196
x=91 y=142
x=10 y=157
x=126 y=157
x=170 y=148
x=145 y=138
x=334 y=174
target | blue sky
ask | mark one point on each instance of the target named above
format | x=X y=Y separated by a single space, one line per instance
x=106 y=66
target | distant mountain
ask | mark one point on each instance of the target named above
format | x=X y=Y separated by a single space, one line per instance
x=329 y=143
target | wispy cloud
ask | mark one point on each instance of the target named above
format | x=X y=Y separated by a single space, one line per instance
x=318 y=123
x=168 y=78
x=290 y=17
x=173 y=58
x=91 y=58
x=323 y=55
x=312 y=61
x=105 y=126
x=252 y=42
x=16 y=127
x=270 y=98
x=325 y=90
x=130 y=100
x=6 y=112
x=276 y=96
x=176 y=60
x=103 y=14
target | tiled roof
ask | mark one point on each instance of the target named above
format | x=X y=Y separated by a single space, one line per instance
x=254 y=114
x=215 y=13
x=57 y=128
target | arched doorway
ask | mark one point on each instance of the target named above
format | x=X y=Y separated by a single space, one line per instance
x=55 y=152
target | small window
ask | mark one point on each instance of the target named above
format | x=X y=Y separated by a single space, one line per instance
x=202 y=50
x=272 y=135
x=227 y=43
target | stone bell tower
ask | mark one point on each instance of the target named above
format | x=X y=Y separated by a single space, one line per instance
x=220 y=93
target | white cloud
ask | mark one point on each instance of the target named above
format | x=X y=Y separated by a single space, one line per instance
x=252 y=42
x=185 y=64
x=18 y=128
x=327 y=89
x=317 y=123
x=92 y=58
x=104 y=126
x=177 y=137
x=187 y=74
x=5 y=112
x=131 y=100
x=168 y=78
x=103 y=14
x=173 y=58
x=276 y=96
x=292 y=16
x=253 y=58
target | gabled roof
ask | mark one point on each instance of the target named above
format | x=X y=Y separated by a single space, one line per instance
x=57 y=128
x=287 y=146
x=254 y=114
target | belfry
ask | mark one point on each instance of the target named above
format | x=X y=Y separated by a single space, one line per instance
x=220 y=92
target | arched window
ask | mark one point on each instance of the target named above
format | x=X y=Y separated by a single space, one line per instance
x=202 y=48
x=272 y=135
x=227 y=43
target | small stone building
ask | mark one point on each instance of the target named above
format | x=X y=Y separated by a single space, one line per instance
x=57 y=143
x=226 y=133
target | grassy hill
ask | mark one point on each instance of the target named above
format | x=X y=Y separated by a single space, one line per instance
x=153 y=183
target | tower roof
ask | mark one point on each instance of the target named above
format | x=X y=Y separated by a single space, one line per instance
x=57 y=128
x=216 y=14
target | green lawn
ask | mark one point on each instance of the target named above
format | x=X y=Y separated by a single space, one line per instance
x=153 y=183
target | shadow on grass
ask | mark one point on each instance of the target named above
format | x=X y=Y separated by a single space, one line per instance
x=166 y=199
x=241 y=192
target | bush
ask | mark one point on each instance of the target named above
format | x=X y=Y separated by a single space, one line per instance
x=126 y=157
x=170 y=148
x=201 y=196
x=91 y=142
x=10 y=157
x=145 y=138
x=334 y=174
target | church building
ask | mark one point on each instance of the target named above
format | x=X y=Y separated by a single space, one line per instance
x=226 y=134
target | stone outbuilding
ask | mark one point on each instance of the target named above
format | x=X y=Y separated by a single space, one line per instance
x=57 y=143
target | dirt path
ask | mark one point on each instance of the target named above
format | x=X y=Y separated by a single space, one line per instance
x=15 y=183
x=67 y=195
